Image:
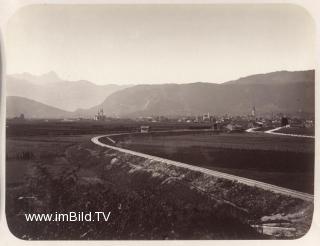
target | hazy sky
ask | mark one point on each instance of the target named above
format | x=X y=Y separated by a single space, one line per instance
x=159 y=43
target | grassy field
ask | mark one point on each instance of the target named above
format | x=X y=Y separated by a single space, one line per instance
x=49 y=169
x=58 y=128
x=265 y=128
x=278 y=160
x=298 y=131
x=23 y=153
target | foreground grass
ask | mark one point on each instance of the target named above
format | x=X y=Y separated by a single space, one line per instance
x=77 y=176
x=51 y=170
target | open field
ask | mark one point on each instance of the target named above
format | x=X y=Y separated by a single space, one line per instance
x=142 y=207
x=58 y=128
x=59 y=172
x=23 y=153
x=278 y=160
x=298 y=130
x=265 y=128
x=49 y=170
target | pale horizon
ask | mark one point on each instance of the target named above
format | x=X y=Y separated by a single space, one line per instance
x=158 y=44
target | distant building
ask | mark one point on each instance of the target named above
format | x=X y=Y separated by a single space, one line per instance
x=254 y=124
x=260 y=124
x=309 y=123
x=100 y=115
x=206 y=117
x=144 y=129
x=19 y=118
x=296 y=123
x=231 y=127
x=147 y=119
x=67 y=120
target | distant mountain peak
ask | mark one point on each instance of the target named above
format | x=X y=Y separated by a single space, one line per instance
x=49 y=89
x=48 y=77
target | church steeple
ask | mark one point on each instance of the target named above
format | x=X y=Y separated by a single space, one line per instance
x=253 y=112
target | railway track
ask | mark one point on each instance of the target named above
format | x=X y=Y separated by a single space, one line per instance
x=250 y=182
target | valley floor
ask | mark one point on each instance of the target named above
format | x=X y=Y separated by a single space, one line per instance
x=50 y=173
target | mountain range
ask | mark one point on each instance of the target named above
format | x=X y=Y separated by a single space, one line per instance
x=51 y=90
x=286 y=92
x=276 y=92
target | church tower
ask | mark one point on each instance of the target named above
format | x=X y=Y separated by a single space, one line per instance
x=253 y=112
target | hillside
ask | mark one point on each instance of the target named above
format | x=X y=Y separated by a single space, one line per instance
x=278 y=92
x=32 y=109
x=281 y=77
x=51 y=90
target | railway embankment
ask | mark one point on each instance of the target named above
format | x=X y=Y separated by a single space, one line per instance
x=269 y=213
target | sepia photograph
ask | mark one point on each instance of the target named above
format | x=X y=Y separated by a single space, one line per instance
x=159 y=121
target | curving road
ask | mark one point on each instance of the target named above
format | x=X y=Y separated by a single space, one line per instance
x=250 y=182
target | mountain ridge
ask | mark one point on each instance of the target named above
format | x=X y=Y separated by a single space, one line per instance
x=276 y=92
x=32 y=109
x=67 y=95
